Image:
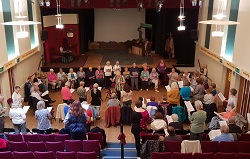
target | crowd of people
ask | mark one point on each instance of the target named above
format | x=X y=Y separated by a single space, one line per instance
x=147 y=117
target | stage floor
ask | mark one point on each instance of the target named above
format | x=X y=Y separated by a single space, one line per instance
x=96 y=58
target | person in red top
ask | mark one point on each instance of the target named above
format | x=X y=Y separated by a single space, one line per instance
x=66 y=94
x=223 y=116
x=53 y=79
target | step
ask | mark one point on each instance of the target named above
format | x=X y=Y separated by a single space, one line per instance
x=118 y=145
x=118 y=157
x=117 y=152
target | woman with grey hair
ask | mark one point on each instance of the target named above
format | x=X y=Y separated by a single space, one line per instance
x=43 y=117
x=197 y=120
x=18 y=118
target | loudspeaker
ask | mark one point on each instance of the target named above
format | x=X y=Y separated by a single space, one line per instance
x=44 y=35
x=194 y=35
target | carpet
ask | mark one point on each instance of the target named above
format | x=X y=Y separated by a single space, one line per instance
x=123 y=57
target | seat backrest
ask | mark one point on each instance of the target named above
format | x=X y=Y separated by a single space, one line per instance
x=15 y=137
x=173 y=146
x=149 y=137
x=161 y=155
x=47 y=137
x=73 y=145
x=244 y=137
x=221 y=155
x=227 y=147
x=242 y=156
x=185 y=137
x=65 y=155
x=18 y=146
x=31 y=138
x=96 y=136
x=208 y=155
x=7 y=155
x=36 y=146
x=191 y=146
x=209 y=146
x=54 y=146
x=86 y=155
x=178 y=155
x=44 y=155
x=23 y=155
x=243 y=146
x=91 y=146
x=62 y=137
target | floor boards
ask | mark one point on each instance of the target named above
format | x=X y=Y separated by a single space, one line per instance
x=112 y=132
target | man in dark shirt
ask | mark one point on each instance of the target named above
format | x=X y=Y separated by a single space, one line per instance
x=233 y=128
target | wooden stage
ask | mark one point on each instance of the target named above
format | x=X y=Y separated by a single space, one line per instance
x=94 y=59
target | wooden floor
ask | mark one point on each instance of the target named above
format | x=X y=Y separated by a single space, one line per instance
x=112 y=132
x=94 y=60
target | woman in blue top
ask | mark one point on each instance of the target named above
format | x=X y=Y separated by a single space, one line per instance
x=185 y=91
x=77 y=121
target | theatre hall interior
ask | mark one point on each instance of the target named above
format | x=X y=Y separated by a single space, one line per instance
x=124 y=79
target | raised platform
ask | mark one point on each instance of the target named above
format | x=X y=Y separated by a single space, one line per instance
x=96 y=58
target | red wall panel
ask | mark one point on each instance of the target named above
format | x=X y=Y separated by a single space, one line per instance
x=55 y=40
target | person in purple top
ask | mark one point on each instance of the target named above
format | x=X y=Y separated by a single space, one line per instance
x=152 y=103
x=161 y=68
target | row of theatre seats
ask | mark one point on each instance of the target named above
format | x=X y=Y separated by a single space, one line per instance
x=218 y=155
x=239 y=137
x=47 y=155
x=54 y=143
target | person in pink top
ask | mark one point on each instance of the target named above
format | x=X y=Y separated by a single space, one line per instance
x=66 y=94
x=53 y=79
x=99 y=76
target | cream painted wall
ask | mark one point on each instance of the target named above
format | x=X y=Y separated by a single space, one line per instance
x=23 y=69
x=117 y=25
x=216 y=71
x=51 y=20
x=242 y=42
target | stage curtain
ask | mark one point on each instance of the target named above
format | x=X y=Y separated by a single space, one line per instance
x=86 y=28
x=165 y=22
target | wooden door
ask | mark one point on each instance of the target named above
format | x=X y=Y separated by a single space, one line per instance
x=227 y=86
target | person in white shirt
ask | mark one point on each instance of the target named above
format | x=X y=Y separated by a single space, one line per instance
x=116 y=67
x=186 y=76
x=173 y=76
x=232 y=100
x=208 y=97
x=16 y=97
x=107 y=74
x=18 y=119
x=72 y=77
x=158 y=125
